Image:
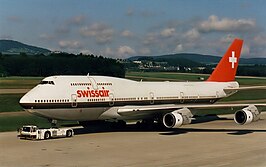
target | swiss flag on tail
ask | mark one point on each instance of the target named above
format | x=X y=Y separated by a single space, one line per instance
x=225 y=71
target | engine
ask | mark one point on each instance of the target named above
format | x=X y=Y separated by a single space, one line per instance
x=177 y=118
x=247 y=115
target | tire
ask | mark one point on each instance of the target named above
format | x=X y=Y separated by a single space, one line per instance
x=47 y=135
x=69 y=133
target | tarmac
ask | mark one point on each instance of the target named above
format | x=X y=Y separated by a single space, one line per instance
x=212 y=142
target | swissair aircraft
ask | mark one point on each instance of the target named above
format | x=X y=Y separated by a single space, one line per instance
x=90 y=98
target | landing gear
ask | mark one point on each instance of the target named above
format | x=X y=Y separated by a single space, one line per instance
x=146 y=123
x=156 y=123
x=118 y=124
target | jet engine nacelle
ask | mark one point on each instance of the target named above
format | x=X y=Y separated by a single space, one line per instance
x=247 y=115
x=177 y=118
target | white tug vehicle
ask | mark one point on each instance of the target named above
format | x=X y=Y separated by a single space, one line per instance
x=33 y=132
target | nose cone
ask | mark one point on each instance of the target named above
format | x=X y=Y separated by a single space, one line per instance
x=24 y=101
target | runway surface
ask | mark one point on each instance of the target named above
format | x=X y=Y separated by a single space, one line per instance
x=213 y=143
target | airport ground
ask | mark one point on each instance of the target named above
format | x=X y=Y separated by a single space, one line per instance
x=207 y=144
x=211 y=142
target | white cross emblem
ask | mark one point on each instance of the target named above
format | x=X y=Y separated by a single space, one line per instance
x=233 y=59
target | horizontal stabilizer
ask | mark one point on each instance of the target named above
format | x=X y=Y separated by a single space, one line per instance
x=245 y=88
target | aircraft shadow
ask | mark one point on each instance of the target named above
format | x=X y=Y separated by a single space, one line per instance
x=227 y=131
x=111 y=127
x=163 y=131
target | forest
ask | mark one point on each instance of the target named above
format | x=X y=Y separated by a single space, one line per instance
x=78 y=64
x=59 y=64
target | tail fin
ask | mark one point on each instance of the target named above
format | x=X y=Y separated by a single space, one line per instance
x=225 y=71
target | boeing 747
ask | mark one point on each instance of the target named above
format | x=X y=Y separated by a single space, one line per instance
x=91 y=98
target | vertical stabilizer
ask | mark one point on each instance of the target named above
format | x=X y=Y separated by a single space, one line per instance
x=225 y=71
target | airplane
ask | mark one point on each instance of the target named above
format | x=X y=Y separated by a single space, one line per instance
x=91 y=98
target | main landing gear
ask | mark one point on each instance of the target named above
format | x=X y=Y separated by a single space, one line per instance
x=150 y=124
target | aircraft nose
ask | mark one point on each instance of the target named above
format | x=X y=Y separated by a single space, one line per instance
x=24 y=100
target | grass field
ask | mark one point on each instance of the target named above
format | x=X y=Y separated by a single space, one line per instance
x=247 y=95
x=9 y=102
x=163 y=76
x=19 y=82
x=13 y=122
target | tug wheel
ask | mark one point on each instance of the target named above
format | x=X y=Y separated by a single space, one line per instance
x=69 y=133
x=47 y=135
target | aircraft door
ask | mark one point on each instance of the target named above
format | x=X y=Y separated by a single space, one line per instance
x=217 y=94
x=151 y=98
x=111 y=99
x=182 y=97
x=74 y=100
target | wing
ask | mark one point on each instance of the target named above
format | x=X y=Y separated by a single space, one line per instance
x=154 y=109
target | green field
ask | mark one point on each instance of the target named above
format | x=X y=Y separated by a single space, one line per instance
x=19 y=82
x=164 y=76
x=9 y=102
x=13 y=122
x=247 y=95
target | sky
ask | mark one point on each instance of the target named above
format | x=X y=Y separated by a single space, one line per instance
x=125 y=28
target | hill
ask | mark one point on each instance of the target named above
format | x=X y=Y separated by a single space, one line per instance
x=195 y=58
x=15 y=47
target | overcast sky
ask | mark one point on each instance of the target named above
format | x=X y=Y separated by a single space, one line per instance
x=124 y=28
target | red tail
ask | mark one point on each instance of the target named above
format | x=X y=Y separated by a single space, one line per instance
x=225 y=71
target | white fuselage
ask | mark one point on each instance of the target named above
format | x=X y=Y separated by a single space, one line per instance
x=84 y=98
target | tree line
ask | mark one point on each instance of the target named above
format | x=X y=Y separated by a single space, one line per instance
x=59 y=64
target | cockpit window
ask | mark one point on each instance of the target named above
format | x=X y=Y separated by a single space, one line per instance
x=47 y=82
